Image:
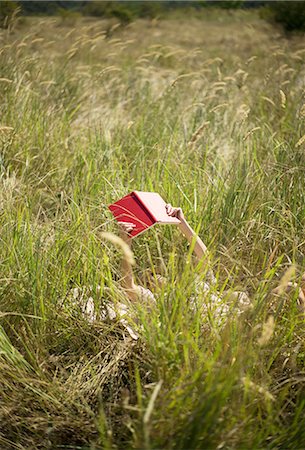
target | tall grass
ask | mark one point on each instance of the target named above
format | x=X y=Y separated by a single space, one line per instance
x=84 y=120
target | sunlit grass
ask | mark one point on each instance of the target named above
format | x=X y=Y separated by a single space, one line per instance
x=213 y=121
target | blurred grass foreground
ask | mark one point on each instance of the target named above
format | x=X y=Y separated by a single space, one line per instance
x=208 y=110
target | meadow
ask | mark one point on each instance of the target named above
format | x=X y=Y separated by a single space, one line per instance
x=208 y=111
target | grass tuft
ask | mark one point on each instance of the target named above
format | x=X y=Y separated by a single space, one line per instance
x=85 y=120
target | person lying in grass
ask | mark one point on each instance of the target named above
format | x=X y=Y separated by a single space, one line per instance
x=211 y=302
x=208 y=301
x=214 y=303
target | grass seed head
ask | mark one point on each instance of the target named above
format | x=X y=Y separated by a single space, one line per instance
x=116 y=240
x=285 y=281
x=283 y=99
x=300 y=141
x=267 y=332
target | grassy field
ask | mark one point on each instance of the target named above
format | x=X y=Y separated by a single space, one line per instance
x=210 y=113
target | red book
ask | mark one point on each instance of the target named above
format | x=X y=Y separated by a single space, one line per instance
x=143 y=209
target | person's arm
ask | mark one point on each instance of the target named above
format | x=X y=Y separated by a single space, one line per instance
x=126 y=267
x=133 y=291
x=200 y=250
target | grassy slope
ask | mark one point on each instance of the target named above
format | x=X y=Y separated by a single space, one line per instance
x=208 y=113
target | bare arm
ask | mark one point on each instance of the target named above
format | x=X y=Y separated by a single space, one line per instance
x=126 y=267
x=200 y=249
x=133 y=291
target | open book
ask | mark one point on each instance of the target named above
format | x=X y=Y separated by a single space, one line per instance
x=143 y=209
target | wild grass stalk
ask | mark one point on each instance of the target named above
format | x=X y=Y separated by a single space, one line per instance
x=86 y=119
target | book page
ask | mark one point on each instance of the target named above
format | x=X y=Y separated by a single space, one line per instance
x=155 y=204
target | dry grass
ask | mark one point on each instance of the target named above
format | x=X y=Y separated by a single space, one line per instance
x=209 y=112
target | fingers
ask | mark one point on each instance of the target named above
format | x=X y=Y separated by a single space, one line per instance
x=127 y=227
x=171 y=211
x=174 y=212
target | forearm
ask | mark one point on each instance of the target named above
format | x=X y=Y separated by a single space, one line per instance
x=132 y=290
x=127 y=274
x=200 y=249
x=126 y=267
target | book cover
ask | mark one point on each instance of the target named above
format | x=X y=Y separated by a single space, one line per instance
x=143 y=209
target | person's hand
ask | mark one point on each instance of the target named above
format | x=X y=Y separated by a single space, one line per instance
x=174 y=212
x=126 y=228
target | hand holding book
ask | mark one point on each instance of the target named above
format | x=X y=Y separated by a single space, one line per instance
x=174 y=212
x=125 y=229
x=143 y=210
